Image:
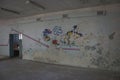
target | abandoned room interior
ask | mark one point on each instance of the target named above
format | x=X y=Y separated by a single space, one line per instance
x=59 y=39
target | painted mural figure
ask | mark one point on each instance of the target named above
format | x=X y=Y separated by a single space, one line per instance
x=57 y=30
x=71 y=36
x=46 y=34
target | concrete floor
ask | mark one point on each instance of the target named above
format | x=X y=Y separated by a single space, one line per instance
x=17 y=69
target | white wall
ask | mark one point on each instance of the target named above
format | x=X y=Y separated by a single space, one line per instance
x=99 y=46
x=4 y=38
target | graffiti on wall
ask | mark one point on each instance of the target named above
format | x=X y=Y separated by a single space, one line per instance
x=46 y=34
x=71 y=36
x=58 y=38
x=57 y=30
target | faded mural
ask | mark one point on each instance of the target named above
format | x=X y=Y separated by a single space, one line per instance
x=58 y=37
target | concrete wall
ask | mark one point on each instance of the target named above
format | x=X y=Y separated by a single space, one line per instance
x=4 y=49
x=81 y=39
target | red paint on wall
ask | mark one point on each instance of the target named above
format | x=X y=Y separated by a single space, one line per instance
x=55 y=42
x=3 y=44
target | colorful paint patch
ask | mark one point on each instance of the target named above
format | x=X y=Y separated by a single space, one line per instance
x=46 y=34
x=57 y=30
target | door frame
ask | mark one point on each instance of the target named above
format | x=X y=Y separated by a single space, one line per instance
x=11 y=45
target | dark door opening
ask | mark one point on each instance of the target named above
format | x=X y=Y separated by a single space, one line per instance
x=15 y=45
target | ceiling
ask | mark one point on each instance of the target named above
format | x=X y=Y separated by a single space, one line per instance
x=23 y=8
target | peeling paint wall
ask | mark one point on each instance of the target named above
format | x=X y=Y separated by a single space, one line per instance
x=83 y=39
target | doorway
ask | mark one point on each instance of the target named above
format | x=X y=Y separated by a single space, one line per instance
x=15 y=45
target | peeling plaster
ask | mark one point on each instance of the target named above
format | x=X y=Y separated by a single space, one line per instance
x=111 y=36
